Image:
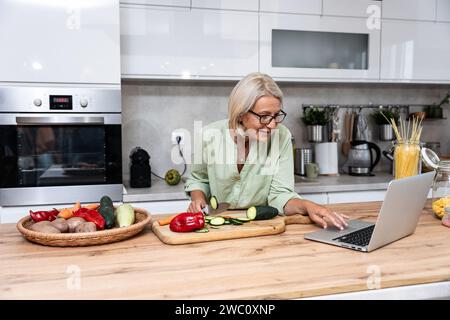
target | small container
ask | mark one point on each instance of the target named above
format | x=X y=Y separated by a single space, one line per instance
x=386 y=132
x=441 y=184
x=315 y=133
x=406 y=160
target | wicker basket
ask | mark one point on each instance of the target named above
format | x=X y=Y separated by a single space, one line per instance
x=86 y=238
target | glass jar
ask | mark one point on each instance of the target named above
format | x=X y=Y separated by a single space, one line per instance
x=441 y=189
x=406 y=160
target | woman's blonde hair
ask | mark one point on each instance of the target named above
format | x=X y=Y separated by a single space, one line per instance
x=245 y=94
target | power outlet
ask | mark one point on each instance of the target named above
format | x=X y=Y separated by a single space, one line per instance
x=176 y=134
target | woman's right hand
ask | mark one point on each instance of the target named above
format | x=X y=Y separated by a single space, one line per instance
x=198 y=201
x=196 y=206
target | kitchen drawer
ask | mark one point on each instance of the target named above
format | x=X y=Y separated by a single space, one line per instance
x=358 y=196
x=320 y=198
x=163 y=207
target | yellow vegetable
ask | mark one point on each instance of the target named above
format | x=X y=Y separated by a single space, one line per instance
x=440 y=205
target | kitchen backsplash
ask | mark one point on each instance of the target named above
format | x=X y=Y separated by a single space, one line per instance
x=153 y=109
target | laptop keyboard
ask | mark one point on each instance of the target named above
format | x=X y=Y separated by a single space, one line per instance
x=360 y=237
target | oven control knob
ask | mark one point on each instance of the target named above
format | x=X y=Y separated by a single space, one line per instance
x=83 y=103
x=37 y=102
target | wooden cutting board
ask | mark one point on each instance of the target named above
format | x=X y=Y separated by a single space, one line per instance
x=249 y=229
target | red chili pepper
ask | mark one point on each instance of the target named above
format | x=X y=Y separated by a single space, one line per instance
x=91 y=216
x=187 y=221
x=38 y=216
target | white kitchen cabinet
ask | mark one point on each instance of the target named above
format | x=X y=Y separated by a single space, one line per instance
x=188 y=44
x=356 y=196
x=409 y=9
x=415 y=51
x=163 y=207
x=247 y=5
x=307 y=47
x=291 y=6
x=352 y=8
x=320 y=198
x=60 y=41
x=172 y=3
x=443 y=10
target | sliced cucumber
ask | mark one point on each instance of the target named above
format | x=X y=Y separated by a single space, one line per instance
x=213 y=202
x=261 y=212
x=227 y=222
x=209 y=218
x=214 y=227
x=235 y=222
x=217 y=221
x=243 y=219
x=204 y=230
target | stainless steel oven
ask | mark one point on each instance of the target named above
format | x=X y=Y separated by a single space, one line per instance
x=59 y=145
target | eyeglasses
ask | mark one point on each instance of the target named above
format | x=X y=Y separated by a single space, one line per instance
x=266 y=119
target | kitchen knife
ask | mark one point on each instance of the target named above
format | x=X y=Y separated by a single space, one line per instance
x=221 y=207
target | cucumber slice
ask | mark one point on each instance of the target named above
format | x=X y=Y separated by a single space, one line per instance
x=209 y=218
x=217 y=221
x=214 y=227
x=213 y=203
x=243 y=219
x=227 y=222
x=251 y=213
x=204 y=230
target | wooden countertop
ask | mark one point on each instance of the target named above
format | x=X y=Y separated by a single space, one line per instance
x=271 y=267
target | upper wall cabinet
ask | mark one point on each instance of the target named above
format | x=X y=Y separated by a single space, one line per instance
x=352 y=8
x=291 y=6
x=415 y=51
x=409 y=9
x=308 y=47
x=247 y=5
x=173 y=3
x=443 y=10
x=60 y=41
x=182 y=43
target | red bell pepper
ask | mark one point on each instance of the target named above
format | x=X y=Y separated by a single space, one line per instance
x=187 y=221
x=38 y=216
x=91 y=216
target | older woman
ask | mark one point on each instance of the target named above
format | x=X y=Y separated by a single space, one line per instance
x=247 y=160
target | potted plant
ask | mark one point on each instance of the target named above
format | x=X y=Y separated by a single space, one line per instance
x=315 y=120
x=381 y=117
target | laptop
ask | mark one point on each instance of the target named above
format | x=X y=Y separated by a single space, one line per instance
x=398 y=217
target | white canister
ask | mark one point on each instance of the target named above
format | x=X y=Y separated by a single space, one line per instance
x=326 y=156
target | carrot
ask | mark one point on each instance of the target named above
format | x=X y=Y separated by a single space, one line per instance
x=165 y=221
x=66 y=213
x=92 y=206
x=76 y=206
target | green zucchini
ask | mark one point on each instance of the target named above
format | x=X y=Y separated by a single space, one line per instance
x=241 y=219
x=261 y=212
x=217 y=221
x=204 y=230
x=213 y=203
x=227 y=222
x=106 y=210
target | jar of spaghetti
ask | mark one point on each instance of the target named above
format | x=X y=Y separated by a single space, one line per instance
x=406 y=160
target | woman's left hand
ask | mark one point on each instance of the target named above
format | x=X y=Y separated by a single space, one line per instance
x=325 y=217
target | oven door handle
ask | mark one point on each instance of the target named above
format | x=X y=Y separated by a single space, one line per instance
x=59 y=120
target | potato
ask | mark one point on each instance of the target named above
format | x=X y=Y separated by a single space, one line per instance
x=74 y=223
x=45 y=227
x=60 y=224
x=86 y=227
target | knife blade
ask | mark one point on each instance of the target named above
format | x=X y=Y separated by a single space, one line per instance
x=221 y=207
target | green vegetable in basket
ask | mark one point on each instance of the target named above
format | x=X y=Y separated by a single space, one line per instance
x=125 y=215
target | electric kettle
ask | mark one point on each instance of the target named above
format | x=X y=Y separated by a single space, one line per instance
x=360 y=160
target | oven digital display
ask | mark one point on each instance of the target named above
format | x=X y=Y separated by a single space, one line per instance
x=60 y=102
